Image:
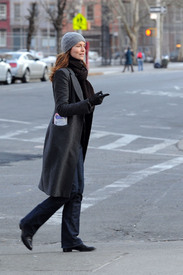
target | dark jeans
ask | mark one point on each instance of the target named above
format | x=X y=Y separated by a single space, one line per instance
x=71 y=211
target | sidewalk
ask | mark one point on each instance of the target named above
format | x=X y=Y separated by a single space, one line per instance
x=119 y=258
x=148 y=67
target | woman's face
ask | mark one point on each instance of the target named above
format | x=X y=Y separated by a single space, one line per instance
x=78 y=51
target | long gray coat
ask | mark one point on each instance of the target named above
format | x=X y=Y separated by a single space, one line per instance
x=62 y=143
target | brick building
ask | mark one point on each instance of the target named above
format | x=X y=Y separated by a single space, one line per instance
x=105 y=34
x=4 y=23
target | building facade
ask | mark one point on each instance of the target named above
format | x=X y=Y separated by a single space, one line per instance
x=105 y=34
x=5 y=28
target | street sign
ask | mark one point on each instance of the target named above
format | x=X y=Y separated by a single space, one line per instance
x=79 y=22
x=157 y=9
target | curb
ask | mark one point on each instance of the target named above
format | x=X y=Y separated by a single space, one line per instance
x=95 y=73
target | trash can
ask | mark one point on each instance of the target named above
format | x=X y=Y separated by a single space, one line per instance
x=164 y=63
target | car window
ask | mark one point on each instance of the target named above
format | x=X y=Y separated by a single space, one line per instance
x=12 y=56
x=30 y=57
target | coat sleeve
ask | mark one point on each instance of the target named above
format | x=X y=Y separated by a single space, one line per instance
x=61 y=87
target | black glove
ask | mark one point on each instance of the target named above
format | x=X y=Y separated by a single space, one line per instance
x=97 y=98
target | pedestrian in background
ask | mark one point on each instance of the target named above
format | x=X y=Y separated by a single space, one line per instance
x=128 y=60
x=140 y=60
x=66 y=142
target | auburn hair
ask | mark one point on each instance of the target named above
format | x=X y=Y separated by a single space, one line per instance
x=62 y=61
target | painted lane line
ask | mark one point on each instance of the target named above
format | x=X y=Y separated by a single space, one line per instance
x=156 y=93
x=118 y=186
x=177 y=88
x=10 y=135
x=14 y=121
x=127 y=139
x=34 y=140
x=98 y=134
x=155 y=127
x=43 y=126
x=157 y=147
x=123 y=140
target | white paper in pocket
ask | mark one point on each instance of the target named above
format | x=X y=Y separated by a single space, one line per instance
x=59 y=120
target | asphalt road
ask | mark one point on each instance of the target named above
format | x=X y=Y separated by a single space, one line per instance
x=133 y=169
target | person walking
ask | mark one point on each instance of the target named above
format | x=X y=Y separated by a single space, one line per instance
x=128 y=60
x=140 y=60
x=66 y=141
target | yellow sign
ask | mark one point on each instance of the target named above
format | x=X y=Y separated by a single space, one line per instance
x=79 y=22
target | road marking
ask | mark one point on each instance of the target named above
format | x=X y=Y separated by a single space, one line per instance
x=10 y=135
x=157 y=147
x=156 y=93
x=123 y=141
x=177 y=88
x=14 y=121
x=155 y=127
x=126 y=139
x=119 y=185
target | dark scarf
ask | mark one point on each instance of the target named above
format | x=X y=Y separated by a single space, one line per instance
x=81 y=73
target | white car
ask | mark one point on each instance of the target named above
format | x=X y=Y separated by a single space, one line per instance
x=5 y=72
x=36 y=54
x=25 y=67
x=50 y=60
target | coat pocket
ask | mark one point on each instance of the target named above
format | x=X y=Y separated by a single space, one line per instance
x=59 y=120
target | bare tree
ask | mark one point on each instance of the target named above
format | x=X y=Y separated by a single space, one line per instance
x=56 y=17
x=131 y=25
x=33 y=13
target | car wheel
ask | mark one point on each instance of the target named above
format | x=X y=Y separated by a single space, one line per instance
x=45 y=75
x=26 y=76
x=8 y=78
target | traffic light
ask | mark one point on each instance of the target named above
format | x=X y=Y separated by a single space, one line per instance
x=151 y=32
x=148 y=32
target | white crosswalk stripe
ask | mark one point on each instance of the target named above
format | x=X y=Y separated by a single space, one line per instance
x=124 y=140
x=117 y=141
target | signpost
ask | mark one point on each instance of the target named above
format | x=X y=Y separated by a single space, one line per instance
x=157 y=12
x=80 y=22
x=158 y=9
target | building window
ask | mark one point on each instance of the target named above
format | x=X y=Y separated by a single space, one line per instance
x=17 y=11
x=90 y=12
x=3 y=12
x=178 y=14
x=2 y=38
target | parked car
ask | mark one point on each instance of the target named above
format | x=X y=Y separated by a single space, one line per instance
x=175 y=56
x=5 y=72
x=25 y=67
x=49 y=60
x=36 y=54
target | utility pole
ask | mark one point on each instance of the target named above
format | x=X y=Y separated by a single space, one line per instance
x=158 y=35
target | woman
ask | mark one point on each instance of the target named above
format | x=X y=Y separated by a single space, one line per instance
x=65 y=146
x=129 y=60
